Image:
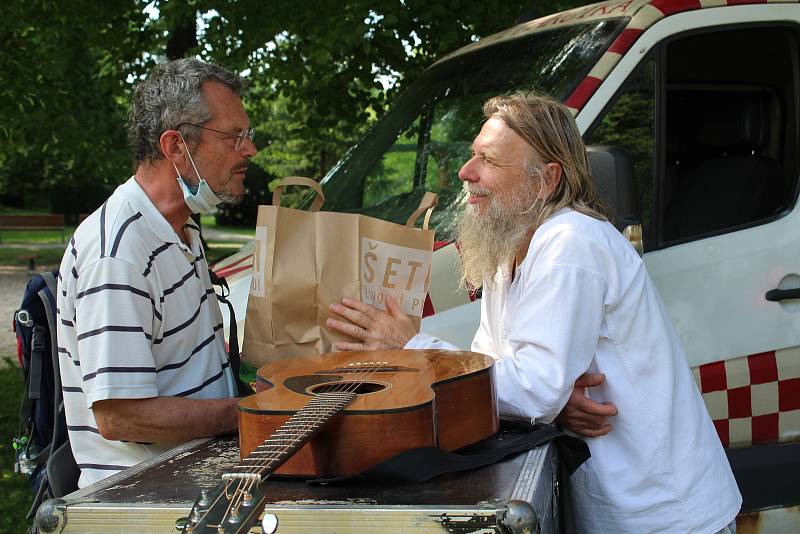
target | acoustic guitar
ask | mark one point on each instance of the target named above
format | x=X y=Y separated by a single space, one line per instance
x=341 y=413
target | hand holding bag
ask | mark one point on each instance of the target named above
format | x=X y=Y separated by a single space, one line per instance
x=305 y=260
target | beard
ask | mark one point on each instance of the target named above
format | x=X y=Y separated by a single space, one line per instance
x=224 y=195
x=488 y=242
x=229 y=198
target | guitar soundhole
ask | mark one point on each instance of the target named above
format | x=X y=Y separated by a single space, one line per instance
x=361 y=388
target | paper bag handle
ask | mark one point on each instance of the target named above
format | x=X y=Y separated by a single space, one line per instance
x=428 y=202
x=299 y=180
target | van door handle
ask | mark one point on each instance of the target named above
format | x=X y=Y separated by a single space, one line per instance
x=777 y=295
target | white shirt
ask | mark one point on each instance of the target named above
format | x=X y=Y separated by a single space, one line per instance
x=581 y=300
x=138 y=318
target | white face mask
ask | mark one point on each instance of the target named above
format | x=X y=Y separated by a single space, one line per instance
x=200 y=198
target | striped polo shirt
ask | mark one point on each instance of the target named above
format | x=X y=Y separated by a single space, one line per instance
x=137 y=318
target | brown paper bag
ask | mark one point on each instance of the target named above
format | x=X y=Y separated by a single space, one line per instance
x=305 y=260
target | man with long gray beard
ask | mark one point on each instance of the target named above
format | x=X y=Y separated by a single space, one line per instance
x=565 y=293
x=143 y=360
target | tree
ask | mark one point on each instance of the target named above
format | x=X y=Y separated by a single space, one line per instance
x=63 y=77
x=321 y=72
x=331 y=67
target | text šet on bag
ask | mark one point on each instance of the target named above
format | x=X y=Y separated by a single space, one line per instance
x=305 y=260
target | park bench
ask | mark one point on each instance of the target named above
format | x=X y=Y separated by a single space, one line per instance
x=32 y=222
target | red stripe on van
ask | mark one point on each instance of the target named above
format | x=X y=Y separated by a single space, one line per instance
x=624 y=41
x=763 y=367
x=713 y=377
x=427 y=308
x=583 y=92
x=224 y=273
x=668 y=7
x=723 y=431
x=764 y=428
x=789 y=395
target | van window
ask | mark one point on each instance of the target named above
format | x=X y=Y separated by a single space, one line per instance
x=424 y=139
x=730 y=147
x=629 y=123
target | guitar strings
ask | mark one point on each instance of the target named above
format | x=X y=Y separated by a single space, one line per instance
x=245 y=486
x=345 y=386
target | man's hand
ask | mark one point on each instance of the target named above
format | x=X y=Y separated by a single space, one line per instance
x=373 y=328
x=584 y=416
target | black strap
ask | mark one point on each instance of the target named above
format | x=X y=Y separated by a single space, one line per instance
x=422 y=464
x=233 y=338
x=35 y=370
x=48 y=296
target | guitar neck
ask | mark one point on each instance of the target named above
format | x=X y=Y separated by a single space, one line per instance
x=235 y=504
x=291 y=436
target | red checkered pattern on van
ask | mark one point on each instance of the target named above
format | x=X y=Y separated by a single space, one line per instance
x=753 y=399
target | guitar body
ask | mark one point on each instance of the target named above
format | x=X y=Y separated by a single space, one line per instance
x=405 y=399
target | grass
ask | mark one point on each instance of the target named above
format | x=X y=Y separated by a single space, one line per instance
x=16 y=491
x=208 y=221
x=36 y=236
x=7 y=210
x=20 y=256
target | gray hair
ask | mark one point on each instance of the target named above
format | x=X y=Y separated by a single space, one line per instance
x=548 y=126
x=169 y=97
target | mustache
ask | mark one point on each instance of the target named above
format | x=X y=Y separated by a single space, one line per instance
x=475 y=190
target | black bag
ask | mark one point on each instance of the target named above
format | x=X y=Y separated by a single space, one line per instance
x=43 y=434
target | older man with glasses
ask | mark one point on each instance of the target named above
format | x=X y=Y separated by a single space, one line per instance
x=143 y=360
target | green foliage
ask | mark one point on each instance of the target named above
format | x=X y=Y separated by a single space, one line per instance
x=321 y=72
x=630 y=124
x=323 y=65
x=63 y=78
x=16 y=491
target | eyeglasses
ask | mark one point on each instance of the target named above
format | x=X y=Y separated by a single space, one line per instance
x=240 y=137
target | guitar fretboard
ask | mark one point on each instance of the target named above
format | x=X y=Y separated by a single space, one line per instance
x=292 y=435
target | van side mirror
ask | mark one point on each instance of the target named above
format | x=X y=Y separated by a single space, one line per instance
x=615 y=180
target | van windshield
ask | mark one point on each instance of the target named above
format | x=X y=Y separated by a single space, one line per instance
x=422 y=142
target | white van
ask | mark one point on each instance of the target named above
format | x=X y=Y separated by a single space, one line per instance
x=691 y=108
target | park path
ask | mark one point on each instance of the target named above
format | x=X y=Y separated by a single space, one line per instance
x=13 y=280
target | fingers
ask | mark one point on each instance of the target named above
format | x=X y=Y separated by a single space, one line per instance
x=352 y=315
x=365 y=309
x=347 y=346
x=595 y=433
x=374 y=328
x=392 y=307
x=588 y=380
x=584 y=424
x=588 y=406
x=350 y=329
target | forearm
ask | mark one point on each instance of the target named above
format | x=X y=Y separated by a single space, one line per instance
x=165 y=419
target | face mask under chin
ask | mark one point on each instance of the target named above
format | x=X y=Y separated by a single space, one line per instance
x=200 y=198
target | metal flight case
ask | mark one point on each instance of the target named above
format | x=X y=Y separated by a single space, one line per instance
x=519 y=494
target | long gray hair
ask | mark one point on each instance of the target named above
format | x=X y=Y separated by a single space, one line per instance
x=169 y=97
x=548 y=126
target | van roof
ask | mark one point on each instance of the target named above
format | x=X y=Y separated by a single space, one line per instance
x=642 y=15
